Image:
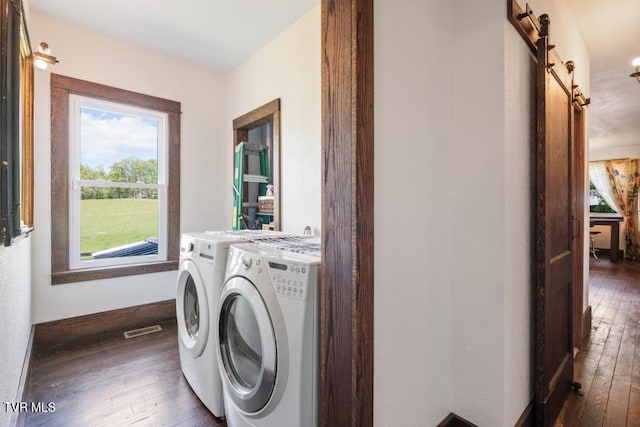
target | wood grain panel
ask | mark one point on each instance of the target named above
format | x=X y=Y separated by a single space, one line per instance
x=527 y=419
x=257 y=117
x=77 y=328
x=346 y=301
x=523 y=25
x=61 y=88
x=59 y=179
x=74 y=276
x=96 y=90
x=277 y=214
x=173 y=201
x=27 y=142
x=586 y=327
x=453 y=420
x=554 y=236
x=579 y=196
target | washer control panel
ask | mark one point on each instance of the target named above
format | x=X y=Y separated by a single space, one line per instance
x=290 y=279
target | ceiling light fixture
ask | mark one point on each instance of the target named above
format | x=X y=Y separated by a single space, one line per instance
x=636 y=74
x=42 y=57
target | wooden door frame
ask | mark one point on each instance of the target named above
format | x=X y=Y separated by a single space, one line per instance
x=267 y=113
x=346 y=291
x=581 y=320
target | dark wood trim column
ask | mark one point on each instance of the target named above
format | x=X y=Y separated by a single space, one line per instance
x=346 y=295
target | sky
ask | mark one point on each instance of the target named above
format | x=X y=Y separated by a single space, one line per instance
x=108 y=137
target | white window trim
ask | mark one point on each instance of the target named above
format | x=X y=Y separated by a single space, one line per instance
x=75 y=183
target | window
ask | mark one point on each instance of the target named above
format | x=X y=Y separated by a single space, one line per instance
x=115 y=182
x=16 y=122
x=118 y=195
x=597 y=204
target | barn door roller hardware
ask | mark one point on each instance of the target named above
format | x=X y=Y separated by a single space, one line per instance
x=579 y=97
x=528 y=25
x=531 y=28
x=528 y=13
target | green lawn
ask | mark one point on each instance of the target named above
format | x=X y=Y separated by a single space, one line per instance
x=108 y=223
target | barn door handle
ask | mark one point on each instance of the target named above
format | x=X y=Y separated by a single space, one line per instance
x=576 y=227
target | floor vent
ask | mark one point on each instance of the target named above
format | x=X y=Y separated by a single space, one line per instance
x=142 y=331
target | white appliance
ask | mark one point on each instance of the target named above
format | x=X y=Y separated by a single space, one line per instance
x=267 y=337
x=203 y=258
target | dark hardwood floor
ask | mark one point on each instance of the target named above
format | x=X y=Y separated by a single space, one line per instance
x=111 y=381
x=609 y=366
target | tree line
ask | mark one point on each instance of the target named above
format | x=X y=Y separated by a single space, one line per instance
x=130 y=170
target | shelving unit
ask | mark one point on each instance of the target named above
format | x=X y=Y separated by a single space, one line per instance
x=260 y=126
x=248 y=186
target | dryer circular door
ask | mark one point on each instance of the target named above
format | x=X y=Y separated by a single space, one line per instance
x=248 y=349
x=192 y=309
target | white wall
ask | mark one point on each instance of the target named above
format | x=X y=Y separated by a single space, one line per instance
x=453 y=210
x=413 y=312
x=15 y=318
x=87 y=55
x=15 y=311
x=288 y=67
x=480 y=210
x=622 y=152
x=520 y=125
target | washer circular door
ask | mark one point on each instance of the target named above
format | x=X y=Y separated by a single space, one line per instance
x=248 y=349
x=192 y=309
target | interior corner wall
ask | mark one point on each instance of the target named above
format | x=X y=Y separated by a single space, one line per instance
x=479 y=206
x=88 y=55
x=520 y=139
x=412 y=211
x=15 y=318
x=288 y=67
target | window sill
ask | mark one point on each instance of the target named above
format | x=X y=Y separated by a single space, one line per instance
x=72 y=276
x=24 y=233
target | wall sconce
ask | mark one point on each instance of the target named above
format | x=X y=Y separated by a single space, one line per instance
x=636 y=74
x=42 y=57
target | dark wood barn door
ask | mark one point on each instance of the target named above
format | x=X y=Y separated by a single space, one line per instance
x=555 y=234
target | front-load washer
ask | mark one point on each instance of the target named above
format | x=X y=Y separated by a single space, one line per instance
x=203 y=258
x=267 y=337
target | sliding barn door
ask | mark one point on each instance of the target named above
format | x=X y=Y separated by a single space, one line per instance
x=555 y=257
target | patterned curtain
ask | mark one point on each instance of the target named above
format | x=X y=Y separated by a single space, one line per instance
x=624 y=177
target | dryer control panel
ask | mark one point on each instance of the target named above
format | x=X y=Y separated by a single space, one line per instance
x=292 y=280
x=206 y=250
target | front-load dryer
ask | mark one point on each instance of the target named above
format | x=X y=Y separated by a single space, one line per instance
x=203 y=258
x=267 y=338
